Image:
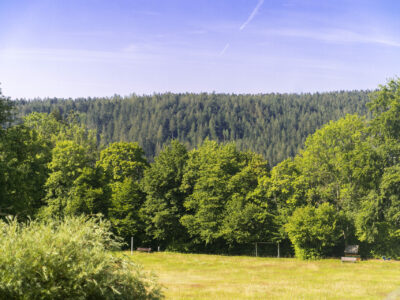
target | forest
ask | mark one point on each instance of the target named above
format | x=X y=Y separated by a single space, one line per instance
x=273 y=125
x=200 y=192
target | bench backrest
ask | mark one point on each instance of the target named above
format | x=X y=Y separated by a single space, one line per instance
x=351 y=249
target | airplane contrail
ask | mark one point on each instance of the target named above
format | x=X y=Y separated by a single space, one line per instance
x=224 y=50
x=252 y=15
x=249 y=19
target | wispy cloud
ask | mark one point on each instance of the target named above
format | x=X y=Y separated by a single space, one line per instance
x=252 y=15
x=224 y=50
x=71 y=55
x=335 y=36
x=138 y=54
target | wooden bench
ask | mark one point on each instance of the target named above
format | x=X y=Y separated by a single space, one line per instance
x=148 y=250
x=349 y=259
x=351 y=254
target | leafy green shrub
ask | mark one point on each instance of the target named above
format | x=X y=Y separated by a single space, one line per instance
x=314 y=231
x=67 y=260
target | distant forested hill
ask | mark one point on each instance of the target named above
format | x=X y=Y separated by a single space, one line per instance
x=274 y=125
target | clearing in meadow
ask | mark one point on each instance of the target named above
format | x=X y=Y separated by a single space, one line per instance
x=195 y=276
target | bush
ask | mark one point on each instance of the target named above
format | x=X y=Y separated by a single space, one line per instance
x=67 y=260
x=314 y=231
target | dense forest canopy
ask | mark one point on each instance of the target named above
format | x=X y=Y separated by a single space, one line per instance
x=341 y=188
x=274 y=125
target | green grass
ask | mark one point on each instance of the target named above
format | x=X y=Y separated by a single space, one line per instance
x=194 y=276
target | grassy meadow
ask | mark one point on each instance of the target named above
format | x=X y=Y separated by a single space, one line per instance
x=194 y=276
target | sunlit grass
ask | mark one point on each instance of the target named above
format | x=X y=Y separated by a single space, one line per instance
x=194 y=276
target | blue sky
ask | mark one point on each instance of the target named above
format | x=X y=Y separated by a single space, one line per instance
x=74 y=48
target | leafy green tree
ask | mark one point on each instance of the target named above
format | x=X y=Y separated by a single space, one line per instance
x=378 y=221
x=124 y=164
x=206 y=177
x=67 y=187
x=5 y=114
x=126 y=201
x=340 y=165
x=90 y=193
x=385 y=107
x=328 y=161
x=47 y=126
x=284 y=190
x=121 y=160
x=52 y=128
x=23 y=163
x=247 y=217
x=81 y=186
x=164 y=208
x=220 y=180
x=314 y=231
x=6 y=110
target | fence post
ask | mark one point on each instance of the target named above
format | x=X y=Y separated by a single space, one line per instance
x=131 y=245
x=279 y=254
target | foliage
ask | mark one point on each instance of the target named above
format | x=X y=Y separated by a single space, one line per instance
x=163 y=207
x=70 y=184
x=69 y=164
x=45 y=125
x=23 y=164
x=273 y=125
x=122 y=160
x=330 y=160
x=124 y=165
x=126 y=200
x=385 y=106
x=219 y=179
x=89 y=194
x=67 y=260
x=247 y=217
x=285 y=191
x=53 y=128
x=378 y=221
x=205 y=193
x=6 y=110
x=313 y=231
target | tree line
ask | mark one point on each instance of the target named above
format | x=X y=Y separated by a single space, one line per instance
x=341 y=188
x=273 y=125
